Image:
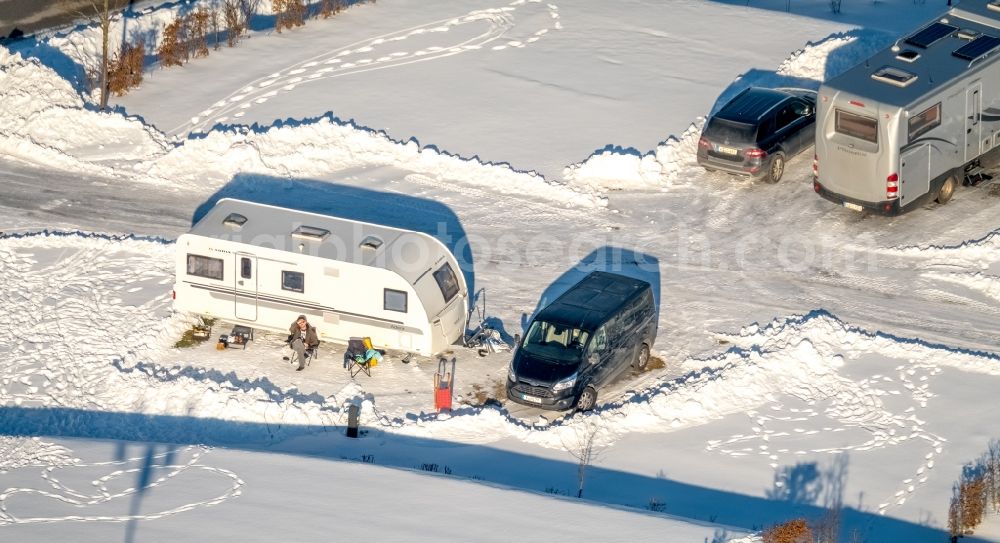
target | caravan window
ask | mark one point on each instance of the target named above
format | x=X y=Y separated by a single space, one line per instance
x=246 y=268
x=394 y=300
x=293 y=281
x=928 y=119
x=856 y=126
x=203 y=266
x=447 y=282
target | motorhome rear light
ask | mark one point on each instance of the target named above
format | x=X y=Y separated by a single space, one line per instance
x=887 y=207
x=755 y=153
x=816 y=186
x=816 y=165
x=173 y=294
x=892 y=186
x=856 y=103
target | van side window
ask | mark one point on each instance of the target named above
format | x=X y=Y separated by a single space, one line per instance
x=203 y=266
x=924 y=121
x=600 y=341
x=293 y=281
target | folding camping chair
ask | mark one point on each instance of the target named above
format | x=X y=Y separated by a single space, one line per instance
x=355 y=357
x=311 y=352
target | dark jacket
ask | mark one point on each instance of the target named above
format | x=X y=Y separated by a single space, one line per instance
x=312 y=339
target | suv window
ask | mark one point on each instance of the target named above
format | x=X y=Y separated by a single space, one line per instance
x=786 y=116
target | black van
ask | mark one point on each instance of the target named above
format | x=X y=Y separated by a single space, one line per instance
x=597 y=329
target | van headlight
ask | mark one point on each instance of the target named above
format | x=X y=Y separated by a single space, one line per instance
x=565 y=383
x=511 y=376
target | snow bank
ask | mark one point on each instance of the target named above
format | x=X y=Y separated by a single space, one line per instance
x=43 y=119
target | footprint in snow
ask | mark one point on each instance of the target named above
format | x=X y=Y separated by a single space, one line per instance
x=296 y=72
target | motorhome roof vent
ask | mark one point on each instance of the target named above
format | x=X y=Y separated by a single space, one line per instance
x=894 y=76
x=977 y=48
x=234 y=220
x=968 y=34
x=311 y=233
x=908 y=55
x=930 y=34
x=371 y=242
x=995 y=5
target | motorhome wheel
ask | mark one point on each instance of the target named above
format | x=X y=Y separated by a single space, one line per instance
x=776 y=170
x=947 y=190
x=587 y=399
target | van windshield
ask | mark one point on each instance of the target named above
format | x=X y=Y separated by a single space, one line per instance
x=556 y=342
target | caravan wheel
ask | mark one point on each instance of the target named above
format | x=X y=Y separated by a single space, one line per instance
x=947 y=190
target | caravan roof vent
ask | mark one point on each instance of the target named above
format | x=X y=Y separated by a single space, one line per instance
x=907 y=55
x=311 y=233
x=234 y=220
x=968 y=34
x=995 y=5
x=977 y=48
x=894 y=76
x=930 y=34
x=371 y=242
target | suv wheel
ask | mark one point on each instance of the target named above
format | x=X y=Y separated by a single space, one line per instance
x=641 y=358
x=587 y=399
x=776 y=169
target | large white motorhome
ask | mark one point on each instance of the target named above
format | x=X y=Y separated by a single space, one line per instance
x=903 y=127
x=262 y=266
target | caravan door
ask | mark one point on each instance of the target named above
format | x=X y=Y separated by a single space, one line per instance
x=245 y=287
x=973 y=126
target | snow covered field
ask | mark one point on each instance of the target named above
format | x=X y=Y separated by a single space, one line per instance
x=811 y=356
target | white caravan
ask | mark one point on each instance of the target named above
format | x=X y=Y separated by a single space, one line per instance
x=262 y=266
x=904 y=127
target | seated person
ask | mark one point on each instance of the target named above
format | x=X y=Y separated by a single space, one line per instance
x=302 y=337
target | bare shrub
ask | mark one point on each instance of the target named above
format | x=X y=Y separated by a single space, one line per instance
x=197 y=24
x=234 y=21
x=125 y=70
x=584 y=447
x=793 y=531
x=330 y=7
x=288 y=13
x=972 y=501
x=248 y=10
x=173 y=50
x=215 y=23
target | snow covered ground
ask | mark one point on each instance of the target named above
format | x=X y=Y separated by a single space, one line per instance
x=811 y=355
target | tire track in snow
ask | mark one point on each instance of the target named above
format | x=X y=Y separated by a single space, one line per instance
x=376 y=53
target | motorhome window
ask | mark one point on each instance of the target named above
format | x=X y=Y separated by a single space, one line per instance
x=995 y=5
x=908 y=55
x=447 y=282
x=894 y=76
x=554 y=341
x=293 y=281
x=246 y=268
x=968 y=34
x=856 y=126
x=394 y=300
x=203 y=266
x=311 y=232
x=925 y=121
x=235 y=220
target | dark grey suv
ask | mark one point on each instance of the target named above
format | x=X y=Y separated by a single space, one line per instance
x=757 y=131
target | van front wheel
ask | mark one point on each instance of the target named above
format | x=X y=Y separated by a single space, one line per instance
x=947 y=190
x=587 y=399
x=642 y=358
